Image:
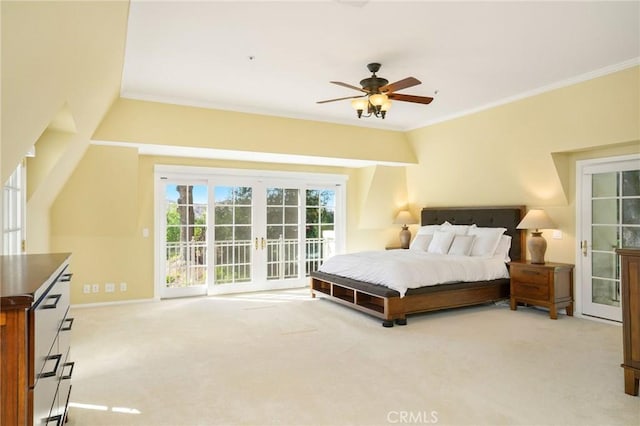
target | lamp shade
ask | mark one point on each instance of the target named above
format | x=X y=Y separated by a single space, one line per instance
x=404 y=218
x=536 y=219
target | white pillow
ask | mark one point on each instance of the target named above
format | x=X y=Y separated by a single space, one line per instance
x=486 y=240
x=421 y=242
x=458 y=229
x=428 y=229
x=441 y=242
x=461 y=245
x=502 y=251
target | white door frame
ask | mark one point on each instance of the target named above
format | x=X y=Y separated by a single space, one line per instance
x=210 y=174
x=581 y=165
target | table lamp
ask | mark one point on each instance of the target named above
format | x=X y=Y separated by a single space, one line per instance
x=536 y=219
x=404 y=218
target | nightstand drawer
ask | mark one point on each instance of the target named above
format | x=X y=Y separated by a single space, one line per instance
x=530 y=275
x=530 y=290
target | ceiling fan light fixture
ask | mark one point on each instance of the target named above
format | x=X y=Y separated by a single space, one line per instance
x=359 y=105
x=378 y=99
x=377 y=93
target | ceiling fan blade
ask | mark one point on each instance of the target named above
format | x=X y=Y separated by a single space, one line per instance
x=399 y=85
x=341 y=99
x=410 y=98
x=339 y=83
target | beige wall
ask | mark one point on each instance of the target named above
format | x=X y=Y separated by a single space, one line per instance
x=165 y=124
x=505 y=155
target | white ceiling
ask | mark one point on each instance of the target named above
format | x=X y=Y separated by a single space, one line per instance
x=469 y=56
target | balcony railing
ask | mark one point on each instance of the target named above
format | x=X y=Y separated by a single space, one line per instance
x=186 y=262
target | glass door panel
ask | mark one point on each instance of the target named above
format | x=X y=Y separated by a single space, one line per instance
x=283 y=236
x=613 y=218
x=185 y=263
x=232 y=234
x=320 y=226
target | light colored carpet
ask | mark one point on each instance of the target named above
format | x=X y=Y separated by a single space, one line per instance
x=282 y=358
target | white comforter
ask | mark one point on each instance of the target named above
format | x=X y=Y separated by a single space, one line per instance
x=401 y=270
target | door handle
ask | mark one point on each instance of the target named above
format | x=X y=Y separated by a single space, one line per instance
x=264 y=243
x=256 y=243
x=584 y=246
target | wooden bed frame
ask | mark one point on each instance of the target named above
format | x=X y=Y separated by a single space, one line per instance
x=386 y=304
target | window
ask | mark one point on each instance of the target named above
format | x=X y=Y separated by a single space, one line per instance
x=14 y=211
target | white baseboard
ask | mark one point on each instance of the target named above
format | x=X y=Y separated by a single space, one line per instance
x=115 y=302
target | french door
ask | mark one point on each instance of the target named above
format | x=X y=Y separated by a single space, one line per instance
x=609 y=219
x=226 y=234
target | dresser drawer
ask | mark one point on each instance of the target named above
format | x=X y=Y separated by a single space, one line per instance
x=49 y=314
x=530 y=275
x=530 y=290
x=46 y=388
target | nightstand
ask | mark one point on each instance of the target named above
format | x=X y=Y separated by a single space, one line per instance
x=549 y=285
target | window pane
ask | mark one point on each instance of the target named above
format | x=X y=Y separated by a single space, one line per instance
x=605 y=184
x=631 y=236
x=326 y=215
x=605 y=237
x=291 y=215
x=312 y=197
x=631 y=211
x=242 y=195
x=313 y=231
x=312 y=215
x=242 y=215
x=605 y=292
x=605 y=212
x=274 y=196
x=631 y=183
x=224 y=215
x=274 y=215
x=604 y=265
x=291 y=232
x=291 y=197
x=274 y=232
x=243 y=233
x=223 y=233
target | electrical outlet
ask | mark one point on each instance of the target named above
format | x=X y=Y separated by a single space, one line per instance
x=86 y=289
x=557 y=234
x=109 y=287
x=123 y=286
x=95 y=288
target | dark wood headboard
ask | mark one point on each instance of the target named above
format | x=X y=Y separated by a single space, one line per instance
x=504 y=216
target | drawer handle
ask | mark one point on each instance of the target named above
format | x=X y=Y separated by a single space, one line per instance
x=68 y=327
x=67 y=364
x=57 y=418
x=65 y=278
x=51 y=373
x=54 y=304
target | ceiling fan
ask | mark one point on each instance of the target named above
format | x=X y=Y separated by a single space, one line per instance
x=378 y=93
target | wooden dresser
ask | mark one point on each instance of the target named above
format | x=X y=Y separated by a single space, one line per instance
x=35 y=331
x=630 y=291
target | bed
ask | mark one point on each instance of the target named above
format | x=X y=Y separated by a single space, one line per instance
x=393 y=307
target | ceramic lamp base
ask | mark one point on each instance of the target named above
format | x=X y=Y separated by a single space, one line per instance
x=405 y=237
x=537 y=247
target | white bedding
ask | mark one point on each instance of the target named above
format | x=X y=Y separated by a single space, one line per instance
x=401 y=270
